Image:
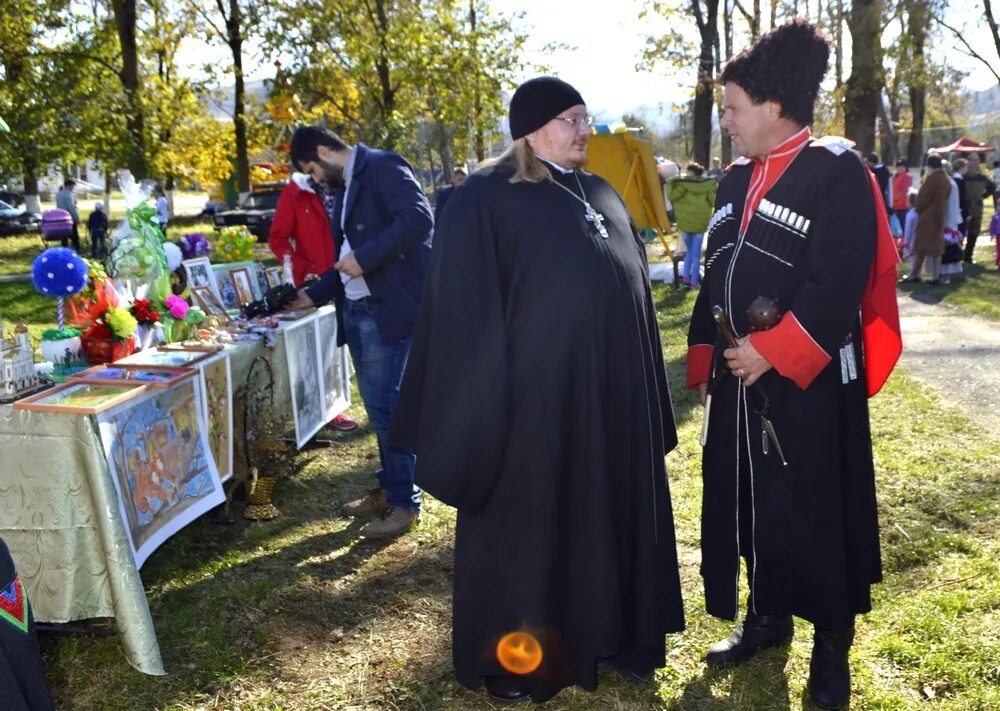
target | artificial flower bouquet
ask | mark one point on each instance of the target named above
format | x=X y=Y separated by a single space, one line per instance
x=235 y=244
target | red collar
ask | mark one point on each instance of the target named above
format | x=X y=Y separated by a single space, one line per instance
x=768 y=169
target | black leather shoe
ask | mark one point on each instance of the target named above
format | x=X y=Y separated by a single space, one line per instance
x=506 y=689
x=757 y=633
x=630 y=674
x=829 y=670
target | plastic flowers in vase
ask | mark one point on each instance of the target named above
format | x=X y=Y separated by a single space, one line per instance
x=111 y=336
x=194 y=244
x=235 y=244
x=137 y=255
x=148 y=317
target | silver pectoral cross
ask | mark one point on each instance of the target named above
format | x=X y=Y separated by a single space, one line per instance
x=597 y=218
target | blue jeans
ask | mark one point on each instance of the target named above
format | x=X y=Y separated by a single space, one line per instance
x=379 y=369
x=692 y=260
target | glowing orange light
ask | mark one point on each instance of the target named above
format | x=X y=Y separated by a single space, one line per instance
x=519 y=653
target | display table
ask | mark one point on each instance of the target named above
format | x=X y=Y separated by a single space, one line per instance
x=60 y=518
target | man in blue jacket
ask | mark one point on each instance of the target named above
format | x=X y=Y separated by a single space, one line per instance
x=382 y=226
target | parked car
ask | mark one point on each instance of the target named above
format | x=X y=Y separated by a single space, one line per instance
x=256 y=211
x=11 y=198
x=16 y=221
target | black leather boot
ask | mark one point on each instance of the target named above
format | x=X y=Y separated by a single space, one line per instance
x=757 y=633
x=829 y=670
x=506 y=689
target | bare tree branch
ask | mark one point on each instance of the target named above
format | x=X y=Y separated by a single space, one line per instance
x=968 y=47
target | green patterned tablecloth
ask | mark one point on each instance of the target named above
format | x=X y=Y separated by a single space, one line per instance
x=59 y=514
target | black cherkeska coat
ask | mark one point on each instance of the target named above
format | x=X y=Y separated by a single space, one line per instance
x=536 y=399
x=809 y=531
x=23 y=686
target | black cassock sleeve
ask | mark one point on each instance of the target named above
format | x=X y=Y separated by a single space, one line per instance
x=452 y=407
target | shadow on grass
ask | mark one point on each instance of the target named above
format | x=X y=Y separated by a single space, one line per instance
x=759 y=684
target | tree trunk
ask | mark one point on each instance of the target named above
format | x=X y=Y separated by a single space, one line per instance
x=30 y=177
x=125 y=21
x=704 y=98
x=725 y=141
x=235 y=41
x=383 y=67
x=917 y=30
x=863 y=95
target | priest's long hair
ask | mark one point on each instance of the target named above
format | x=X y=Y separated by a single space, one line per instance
x=521 y=158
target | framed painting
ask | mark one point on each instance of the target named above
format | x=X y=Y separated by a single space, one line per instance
x=216 y=381
x=165 y=359
x=161 y=464
x=81 y=398
x=273 y=276
x=226 y=287
x=333 y=366
x=192 y=346
x=207 y=300
x=200 y=275
x=260 y=271
x=153 y=376
x=304 y=378
x=243 y=282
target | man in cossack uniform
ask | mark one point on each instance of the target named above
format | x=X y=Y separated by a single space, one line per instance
x=801 y=223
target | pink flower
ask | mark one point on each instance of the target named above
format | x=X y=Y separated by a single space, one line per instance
x=177 y=306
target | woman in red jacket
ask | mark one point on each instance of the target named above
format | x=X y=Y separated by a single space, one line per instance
x=301 y=229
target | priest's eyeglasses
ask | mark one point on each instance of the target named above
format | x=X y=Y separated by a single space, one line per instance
x=576 y=122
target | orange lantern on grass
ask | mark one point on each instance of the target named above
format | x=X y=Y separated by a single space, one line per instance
x=519 y=653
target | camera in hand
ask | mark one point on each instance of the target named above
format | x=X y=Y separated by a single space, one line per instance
x=275 y=299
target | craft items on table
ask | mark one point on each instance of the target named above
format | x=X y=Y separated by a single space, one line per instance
x=234 y=244
x=200 y=275
x=305 y=378
x=317 y=372
x=207 y=347
x=273 y=276
x=244 y=283
x=217 y=409
x=61 y=273
x=207 y=300
x=153 y=376
x=80 y=398
x=160 y=463
x=232 y=289
x=333 y=367
x=18 y=377
x=169 y=359
x=193 y=245
x=137 y=255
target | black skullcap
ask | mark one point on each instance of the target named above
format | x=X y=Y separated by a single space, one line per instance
x=538 y=101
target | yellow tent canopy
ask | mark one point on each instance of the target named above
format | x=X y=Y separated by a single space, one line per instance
x=627 y=163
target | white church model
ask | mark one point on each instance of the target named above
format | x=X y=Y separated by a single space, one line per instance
x=17 y=363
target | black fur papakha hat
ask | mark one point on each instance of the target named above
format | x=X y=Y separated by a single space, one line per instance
x=786 y=66
x=538 y=101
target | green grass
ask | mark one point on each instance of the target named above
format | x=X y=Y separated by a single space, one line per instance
x=299 y=613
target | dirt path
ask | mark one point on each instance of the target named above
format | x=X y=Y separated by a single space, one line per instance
x=957 y=356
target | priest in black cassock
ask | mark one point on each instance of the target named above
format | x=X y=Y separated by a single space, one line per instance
x=800 y=224
x=536 y=399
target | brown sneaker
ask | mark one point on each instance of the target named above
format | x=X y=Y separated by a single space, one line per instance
x=371 y=503
x=393 y=523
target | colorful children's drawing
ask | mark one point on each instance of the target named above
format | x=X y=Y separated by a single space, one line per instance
x=161 y=465
x=216 y=388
